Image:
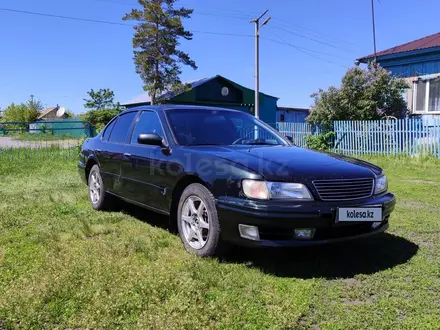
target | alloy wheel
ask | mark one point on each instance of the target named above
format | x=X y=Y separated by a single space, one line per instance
x=95 y=188
x=195 y=222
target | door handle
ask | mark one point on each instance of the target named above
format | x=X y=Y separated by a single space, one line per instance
x=126 y=154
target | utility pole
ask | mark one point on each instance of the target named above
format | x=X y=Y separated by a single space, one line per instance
x=374 y=30
x=257 y=60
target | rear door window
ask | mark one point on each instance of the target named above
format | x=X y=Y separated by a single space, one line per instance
x=122 y=127
x=108 y=130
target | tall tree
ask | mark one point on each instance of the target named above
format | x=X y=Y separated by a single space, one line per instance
x=155 y=42
x=34 y=107
x=24 y=112
x=102 y=107
x=364 y=95
x=102 y=99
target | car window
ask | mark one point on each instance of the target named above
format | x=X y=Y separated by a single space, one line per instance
x=148 y=122
x=108 y=130
x=220 y=127
x=121 y=128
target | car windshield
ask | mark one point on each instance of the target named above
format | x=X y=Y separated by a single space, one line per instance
x=220 y=127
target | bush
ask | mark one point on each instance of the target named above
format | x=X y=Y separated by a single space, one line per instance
x=364 y=95
x=320 y=142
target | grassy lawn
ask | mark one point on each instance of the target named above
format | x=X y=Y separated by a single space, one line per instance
x=64 y=265
x=42 y=137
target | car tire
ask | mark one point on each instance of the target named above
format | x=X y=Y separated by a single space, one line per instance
x=98 y=197
x=209 y=241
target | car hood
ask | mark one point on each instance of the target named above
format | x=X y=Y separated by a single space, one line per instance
x=287 y=163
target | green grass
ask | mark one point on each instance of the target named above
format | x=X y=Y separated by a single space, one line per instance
x=63 y=265
x=42 y=137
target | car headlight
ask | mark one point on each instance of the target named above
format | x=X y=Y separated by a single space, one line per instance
x=276 y=190
x=381 y=184
x=255 y=189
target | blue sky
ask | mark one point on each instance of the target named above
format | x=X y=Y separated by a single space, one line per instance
x=59 y=60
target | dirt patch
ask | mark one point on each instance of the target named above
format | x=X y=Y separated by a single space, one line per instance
x=413 y=204
x=418 y=205
x=8 y=143
x=351 y=281
x=424 y=181
x=350 y=302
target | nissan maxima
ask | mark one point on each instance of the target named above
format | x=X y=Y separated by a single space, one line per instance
x=224 y=177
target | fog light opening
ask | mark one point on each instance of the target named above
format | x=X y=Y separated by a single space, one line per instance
x=375 y=225
x=249 y=232
x=304 y=233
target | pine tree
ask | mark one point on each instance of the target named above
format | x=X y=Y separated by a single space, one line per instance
x=156 y=39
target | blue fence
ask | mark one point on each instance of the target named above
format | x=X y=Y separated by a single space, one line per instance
x=410 y=136
x=298 y=131
x=388 y=137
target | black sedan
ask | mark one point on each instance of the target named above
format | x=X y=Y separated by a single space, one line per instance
x=223 y=177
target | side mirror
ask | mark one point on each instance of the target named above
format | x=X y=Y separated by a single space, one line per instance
x=151 y=139
x=289 y=138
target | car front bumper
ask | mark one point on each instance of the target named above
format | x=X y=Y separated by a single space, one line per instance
x=277 y=221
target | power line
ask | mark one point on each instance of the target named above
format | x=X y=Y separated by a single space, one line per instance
x=244 y=15
x=305 y=51
x=303 y=48
x=309 y=38
x=110 y=22
x=202 y=11
x=64 y=17
x=312 y=32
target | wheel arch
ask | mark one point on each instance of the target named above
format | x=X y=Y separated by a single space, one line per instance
x=91 y=161
x=183 y=182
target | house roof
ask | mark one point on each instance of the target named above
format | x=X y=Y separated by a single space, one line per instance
x=422 y=43
x=144 y=98
x=46 y=112
x=287 y=108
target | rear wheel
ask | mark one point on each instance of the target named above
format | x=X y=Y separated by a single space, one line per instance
x=99 y=199
x=197 y=221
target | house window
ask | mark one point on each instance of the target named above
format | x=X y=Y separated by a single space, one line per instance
x=427 y=96
x=282 y=117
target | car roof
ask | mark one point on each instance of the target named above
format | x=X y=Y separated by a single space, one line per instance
x=163 y=107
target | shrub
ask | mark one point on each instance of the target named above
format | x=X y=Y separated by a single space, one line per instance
x=364 y=95
x=320 y=142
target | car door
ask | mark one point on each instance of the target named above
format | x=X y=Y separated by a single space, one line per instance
x=112 y=150
x=144 y=168
x=103 y=154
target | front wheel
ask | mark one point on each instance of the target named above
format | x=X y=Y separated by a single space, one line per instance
x=197 y=221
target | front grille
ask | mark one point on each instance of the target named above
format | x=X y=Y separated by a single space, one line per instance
x=344 y=189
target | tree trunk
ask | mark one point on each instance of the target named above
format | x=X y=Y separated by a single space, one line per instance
x=153 y=99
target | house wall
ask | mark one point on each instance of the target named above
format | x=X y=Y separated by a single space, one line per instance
x=239 y=98
x=291 y=116
x=209 y=93
x=53 y=116
x=414 y=65
x=268 y=110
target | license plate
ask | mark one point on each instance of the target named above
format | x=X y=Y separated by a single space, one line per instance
x=364 y=214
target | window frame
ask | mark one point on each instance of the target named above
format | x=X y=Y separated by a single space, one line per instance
x=427 y=91
x=114 y=120
x=130 y=128
x=135 y=122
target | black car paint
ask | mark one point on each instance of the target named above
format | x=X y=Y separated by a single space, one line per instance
x=148 y=175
